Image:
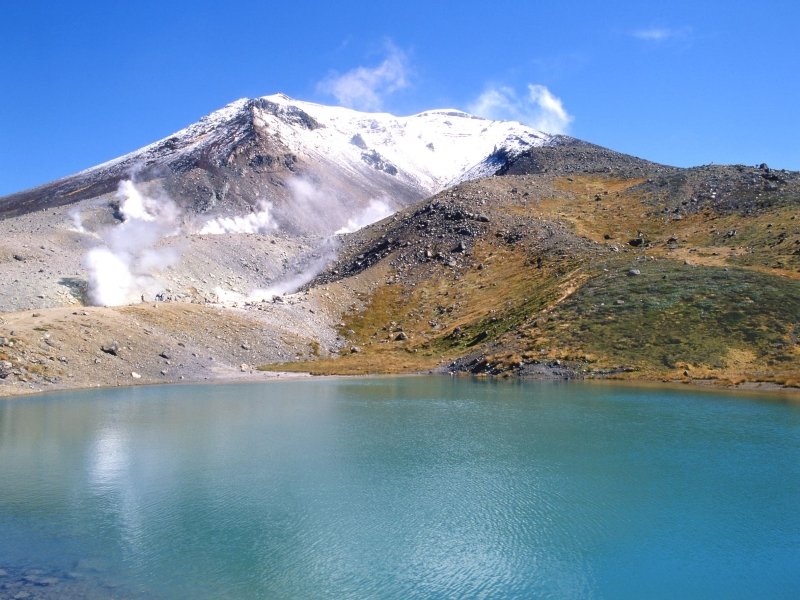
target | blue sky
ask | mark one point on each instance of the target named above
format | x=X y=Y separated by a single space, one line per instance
x=682 y=83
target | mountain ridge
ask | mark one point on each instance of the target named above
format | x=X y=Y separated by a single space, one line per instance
x=250 y=147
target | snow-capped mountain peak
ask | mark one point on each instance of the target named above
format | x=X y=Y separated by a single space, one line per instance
x=250 y=151
x=432 y=148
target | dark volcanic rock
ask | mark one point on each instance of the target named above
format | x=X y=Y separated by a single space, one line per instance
x=568 y=155
x=722 y=188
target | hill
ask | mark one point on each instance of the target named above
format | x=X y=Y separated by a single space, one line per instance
x=506 y=252
x=589 y=266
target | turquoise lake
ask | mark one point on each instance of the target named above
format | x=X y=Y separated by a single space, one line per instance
x=416 y=487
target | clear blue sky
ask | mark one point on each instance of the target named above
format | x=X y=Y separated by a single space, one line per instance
x=678 y=82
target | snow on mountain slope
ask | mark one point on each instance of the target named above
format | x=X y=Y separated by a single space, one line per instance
x=195 y=135
x=430 y=149
x=251 y=151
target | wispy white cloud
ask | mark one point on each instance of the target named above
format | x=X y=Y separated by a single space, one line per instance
x=539 y=108
x=661 y=34
x=366 y=88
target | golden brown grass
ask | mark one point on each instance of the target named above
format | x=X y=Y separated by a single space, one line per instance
x=444 y=315
x=727 y=315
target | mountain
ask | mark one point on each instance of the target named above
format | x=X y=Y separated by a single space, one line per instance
x=245 y=240
x=248 y=151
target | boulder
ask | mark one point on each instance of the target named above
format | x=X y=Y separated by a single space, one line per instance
x=5 y=368
x=111 y=348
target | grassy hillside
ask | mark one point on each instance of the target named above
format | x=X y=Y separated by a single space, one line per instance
x=676 y=320
x=686 y=274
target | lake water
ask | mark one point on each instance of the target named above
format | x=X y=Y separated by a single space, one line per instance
x=399 y=488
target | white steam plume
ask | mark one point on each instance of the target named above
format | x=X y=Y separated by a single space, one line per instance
x=307 y=267
x=260 y=221
x=124 y=270
x=134 y=205
x=316 y=262
x=319 y=211
x=376 y=210
x=313 y=210
x=77 y=221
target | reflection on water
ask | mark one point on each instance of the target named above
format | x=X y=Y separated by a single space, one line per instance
x=392 y=488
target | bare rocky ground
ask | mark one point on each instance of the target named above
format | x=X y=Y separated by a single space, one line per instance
x=50 y=338
x=41 y=255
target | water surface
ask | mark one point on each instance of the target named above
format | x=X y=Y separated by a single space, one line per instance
x=399 y=488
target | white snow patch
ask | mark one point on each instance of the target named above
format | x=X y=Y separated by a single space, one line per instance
x=429 y=149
